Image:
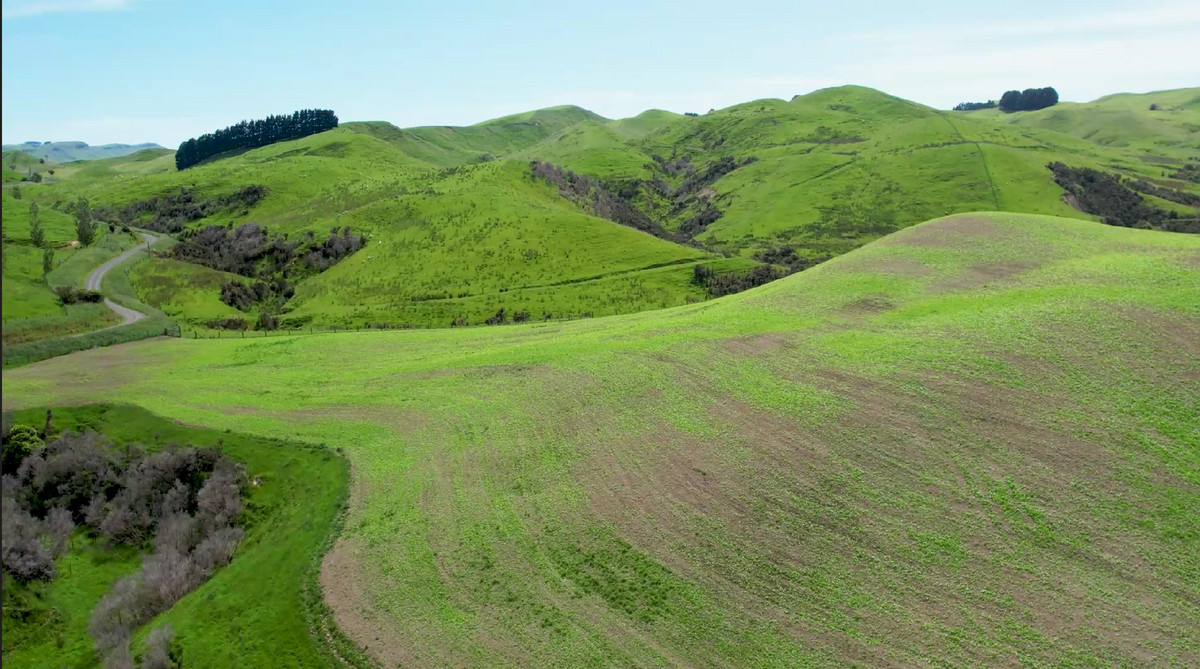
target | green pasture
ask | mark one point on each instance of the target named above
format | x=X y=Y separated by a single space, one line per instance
x=971 y=442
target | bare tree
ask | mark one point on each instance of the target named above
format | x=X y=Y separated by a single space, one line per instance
x=59 y=527
x=158 y=648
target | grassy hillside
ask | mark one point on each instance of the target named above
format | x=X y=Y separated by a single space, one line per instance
x=30 y=307
x=18 y=165
x=1168 y=133
x=972 y=442
x=447 y=146
x=842 y=166
x=443 y=243
x=459 y=229
x=66 y=152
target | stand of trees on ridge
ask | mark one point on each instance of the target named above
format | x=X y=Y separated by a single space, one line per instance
x=1012 y=101
x=1028 y=99
x=972 y=106
x=253 y=134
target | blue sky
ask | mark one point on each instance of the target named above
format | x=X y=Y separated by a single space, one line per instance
x=163 y=70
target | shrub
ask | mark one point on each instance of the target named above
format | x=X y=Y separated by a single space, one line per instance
x=21 y=549
x=59 y=526
x=716 y=285
x=1104 y=195
x=499 y=318
x=267 y=322
x=160 y=649
x=234 y=323
x=182 y=499
x=70 y=295
x=19 y=443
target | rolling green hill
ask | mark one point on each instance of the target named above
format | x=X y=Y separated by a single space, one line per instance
x=1168 y=133
x=970 y=442
x=450 y=243
x=458 y=228
x=67 y=152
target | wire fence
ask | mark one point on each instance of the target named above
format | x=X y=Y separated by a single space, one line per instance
x=218 y=333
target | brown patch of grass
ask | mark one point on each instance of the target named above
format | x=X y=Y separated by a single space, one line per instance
x=771 y=498
x=893 y=265
x=871 y=304
x=953 y=232
x=982 y=275
x=756 y=345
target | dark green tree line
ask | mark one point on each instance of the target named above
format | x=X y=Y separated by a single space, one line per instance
x=251 y=134
x=1028 y=99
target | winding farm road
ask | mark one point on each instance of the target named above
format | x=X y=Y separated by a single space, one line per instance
x=97 y=275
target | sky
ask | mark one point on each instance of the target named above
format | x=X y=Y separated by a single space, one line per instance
x=164 y=70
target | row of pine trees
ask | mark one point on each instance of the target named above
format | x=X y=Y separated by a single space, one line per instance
x=251 y=134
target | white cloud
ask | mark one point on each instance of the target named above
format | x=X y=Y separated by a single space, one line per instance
x=15 y=9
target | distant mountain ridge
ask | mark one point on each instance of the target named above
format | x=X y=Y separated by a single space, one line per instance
x=72 y=151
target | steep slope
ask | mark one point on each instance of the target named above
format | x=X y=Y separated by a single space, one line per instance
x=454 y=244
x=789 y=182
x=970 y=443
x=833 y=169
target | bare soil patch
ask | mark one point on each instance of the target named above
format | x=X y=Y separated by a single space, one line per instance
x=871 y=304
x=953 y=232
x=981 y=275
x=344 y=587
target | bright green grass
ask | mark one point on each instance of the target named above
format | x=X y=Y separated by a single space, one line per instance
x=31 y=309
x=18 y=165
x=458 y=228
x=1124 y=121
x=146 y=161
x=59 y=227
x=446 y=146
x=116 y=287
x=470 y=234
x=972 y=442
x=251 y=613
x=184 y=291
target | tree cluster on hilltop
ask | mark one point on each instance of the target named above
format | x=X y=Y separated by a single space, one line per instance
x=252 y=134
x=1028 y=99
x=972 y=106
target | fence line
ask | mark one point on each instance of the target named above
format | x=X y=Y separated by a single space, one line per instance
x=211 y=333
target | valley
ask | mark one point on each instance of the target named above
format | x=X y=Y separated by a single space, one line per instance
x=839 y=380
